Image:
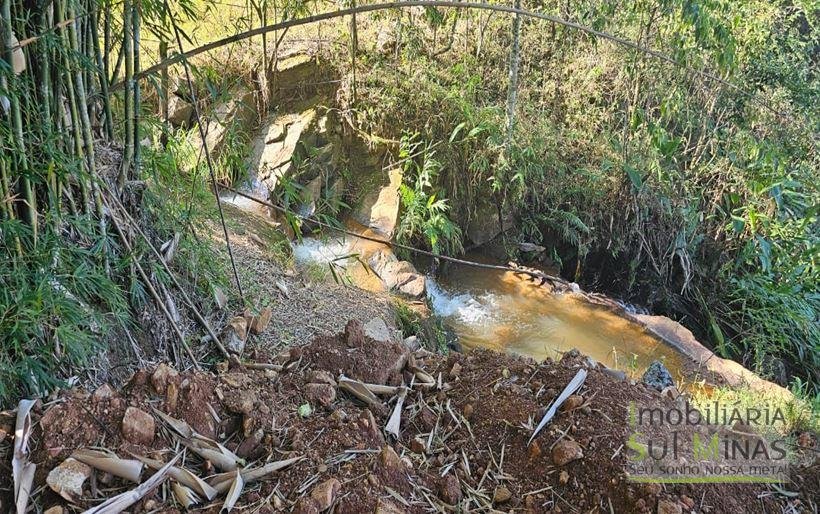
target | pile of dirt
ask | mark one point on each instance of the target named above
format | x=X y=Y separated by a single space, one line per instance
x=465 y=424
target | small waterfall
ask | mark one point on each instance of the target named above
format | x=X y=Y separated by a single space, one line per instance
x=311 y=250
x=465 y=307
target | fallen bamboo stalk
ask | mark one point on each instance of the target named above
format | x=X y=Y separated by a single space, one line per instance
x=154 y=293
x=176 y=283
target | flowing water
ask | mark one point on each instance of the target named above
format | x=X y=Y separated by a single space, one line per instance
x=503 y=311
x=493 y=308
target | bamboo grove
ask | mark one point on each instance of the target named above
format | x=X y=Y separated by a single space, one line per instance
x=56 y=113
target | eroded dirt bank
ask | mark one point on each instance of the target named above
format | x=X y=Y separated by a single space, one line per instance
x=462 y=443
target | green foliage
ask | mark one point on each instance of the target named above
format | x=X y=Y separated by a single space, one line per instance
x=56 y=305
x=424 y=215
x=677 y=192
x=179 y=201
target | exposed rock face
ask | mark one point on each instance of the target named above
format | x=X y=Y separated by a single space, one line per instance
x=379 y=209
x=275 y=143
x=236 y=113
x=397 y=275
x=682 y=338
x=484 y=227
x=657 y=376
x=180 y=112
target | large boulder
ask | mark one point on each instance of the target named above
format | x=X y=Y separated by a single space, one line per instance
x=275 y=142
x=238 y=113
x=379 y=209
x=483 y=226
x=397 y=275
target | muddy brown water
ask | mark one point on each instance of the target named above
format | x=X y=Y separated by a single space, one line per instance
x=504 y=311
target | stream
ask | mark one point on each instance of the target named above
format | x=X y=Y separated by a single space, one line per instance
x=503 y=311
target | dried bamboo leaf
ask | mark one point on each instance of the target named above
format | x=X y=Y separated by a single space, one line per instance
x=18 y=58
x=122 y=501
x=211 y=450
x=203 y=446
x=394 y=423
x=22 y=470
x=222 y=481
x=252 y=475
x=424 y=378
x=382 y=389
x=128 y=469
x=180 y=427
x=574 y=384
x=360 y=391
x=184 y=477
x=185 y=495
x=233 y=494
x=169 y=248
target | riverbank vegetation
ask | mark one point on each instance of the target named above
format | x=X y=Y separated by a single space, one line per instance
x=693 y=195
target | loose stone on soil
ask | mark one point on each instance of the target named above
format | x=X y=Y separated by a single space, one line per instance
x=572 y=402
x=326 y=492
x=565 y=452
x=657 y=376
x=138 y=426
x=161 y=376
x=103 y=392
x=260 y=322
x=501 y=495
x=67 y=479
x=323 y=394
x=450 y=490
x=669 y=507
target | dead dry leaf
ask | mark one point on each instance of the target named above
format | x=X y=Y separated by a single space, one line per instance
x=184 y=477
x=22 y=470
x=394 y=423
x=122 y=501
x=574 y=384
x=128 y=469
x=237 y=484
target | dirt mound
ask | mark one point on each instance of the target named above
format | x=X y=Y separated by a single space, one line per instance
x=462 y=445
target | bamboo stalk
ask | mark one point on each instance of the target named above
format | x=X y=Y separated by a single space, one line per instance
x=82 y=100
x=135 y=28
x=18 y=140
x=102 y=76
x=154 y=293
x=45 y=70
x=128 y=151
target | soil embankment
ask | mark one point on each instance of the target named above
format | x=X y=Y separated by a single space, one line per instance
x=462 y=437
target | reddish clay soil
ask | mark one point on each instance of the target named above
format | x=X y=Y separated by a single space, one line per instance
x=462 y=447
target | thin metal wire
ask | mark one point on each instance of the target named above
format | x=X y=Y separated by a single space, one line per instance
x=203 y=135
x=523 y=271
